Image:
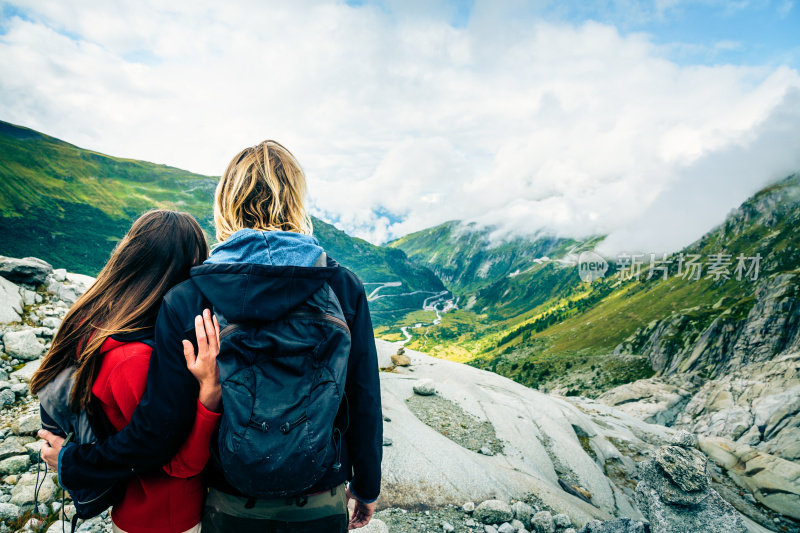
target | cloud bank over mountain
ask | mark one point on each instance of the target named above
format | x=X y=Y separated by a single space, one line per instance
x=404 y=119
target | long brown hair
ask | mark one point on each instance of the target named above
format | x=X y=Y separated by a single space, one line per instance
x=155 y=255
x=263 y=188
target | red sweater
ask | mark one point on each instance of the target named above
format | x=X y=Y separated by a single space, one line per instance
x=163 y=502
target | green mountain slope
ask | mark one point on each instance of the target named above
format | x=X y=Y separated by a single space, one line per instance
x=69 y=206
x=538 y=323
x=467 y=256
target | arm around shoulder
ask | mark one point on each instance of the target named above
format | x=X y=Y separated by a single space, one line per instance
x=160 y=422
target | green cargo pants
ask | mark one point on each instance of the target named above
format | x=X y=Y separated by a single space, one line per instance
x=318 y=513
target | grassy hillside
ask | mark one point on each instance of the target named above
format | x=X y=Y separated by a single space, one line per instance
x=69 y=206
x=539 y=324
x=467 y=257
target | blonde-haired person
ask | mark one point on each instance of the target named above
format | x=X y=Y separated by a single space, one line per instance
x=266 y=268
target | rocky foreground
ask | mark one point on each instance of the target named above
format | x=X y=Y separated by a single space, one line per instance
x=465 y=449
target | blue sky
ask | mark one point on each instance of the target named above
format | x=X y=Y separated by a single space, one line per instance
x=752 y=32
x=576 y=118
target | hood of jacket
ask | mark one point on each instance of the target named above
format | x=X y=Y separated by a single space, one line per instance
x=261 y=275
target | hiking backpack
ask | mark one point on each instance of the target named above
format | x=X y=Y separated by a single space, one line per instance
x=282 y=387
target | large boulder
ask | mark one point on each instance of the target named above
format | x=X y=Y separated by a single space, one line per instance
x=675 y=493
x=653 y=400
x=757 y=405
x=10 y=302
x=23 y=344
x=774 y=482
x=546 y=443
x=28 y=270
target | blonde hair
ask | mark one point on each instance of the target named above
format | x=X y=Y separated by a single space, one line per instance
x=263 y=188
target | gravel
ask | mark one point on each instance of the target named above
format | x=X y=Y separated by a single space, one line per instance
x=454 y=423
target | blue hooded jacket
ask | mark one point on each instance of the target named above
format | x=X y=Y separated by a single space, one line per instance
x=267 y=248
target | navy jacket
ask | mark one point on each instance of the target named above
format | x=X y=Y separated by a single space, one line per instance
x=165 y=415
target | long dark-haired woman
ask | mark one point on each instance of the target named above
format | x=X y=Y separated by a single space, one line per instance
x=102 y=337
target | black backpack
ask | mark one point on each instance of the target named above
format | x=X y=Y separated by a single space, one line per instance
x=282 y=387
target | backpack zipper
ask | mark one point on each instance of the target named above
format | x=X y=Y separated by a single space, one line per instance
x=227 y=330
x=286 y=427
x=324 y=316
x=230 y=328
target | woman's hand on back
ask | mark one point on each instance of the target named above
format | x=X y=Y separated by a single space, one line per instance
x=203 y=365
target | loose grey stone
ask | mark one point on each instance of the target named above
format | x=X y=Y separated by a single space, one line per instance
x=59 y=526
x=517 y=524
x=27 y=425
x=505 y=527
x=28 y=296
x=618 y=525
x=12 y=446
x=26 y=372
x=375 y=526
x=33 y=524
x=675 y=495
x=69 y=511
x=23 y=492
x=23 y=345
x=60 y=274
x=685 y=467
x=7 y=397
x=10 y=302
x=15 y=465
x=74 y=286
x=19 y=389
x=447 y=527
x=523 y=511
x=561 y=520
x=493 y=512
x=468 y=507
x=489 y=529
x=33 y=449
x=51 y=322
x=9 y=511
x=425 y=387
x=684 y=439
x=542 y=522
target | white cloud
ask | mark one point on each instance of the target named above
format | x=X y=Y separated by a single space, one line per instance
x=510 y=121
